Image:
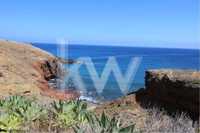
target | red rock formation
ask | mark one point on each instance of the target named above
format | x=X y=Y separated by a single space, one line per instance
x=26 y=70
x=49 y=69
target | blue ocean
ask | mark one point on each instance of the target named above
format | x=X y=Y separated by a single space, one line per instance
x=151 y=58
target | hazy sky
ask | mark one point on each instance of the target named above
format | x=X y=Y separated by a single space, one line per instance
x=160 y=23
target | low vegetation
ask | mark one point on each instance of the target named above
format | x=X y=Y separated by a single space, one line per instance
x=160 y=122
x=67 y=114
x=103 y=124
x=20 y=114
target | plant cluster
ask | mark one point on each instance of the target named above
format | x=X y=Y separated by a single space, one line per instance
x=16 y=111
x=20 y=114
x=103 y=124
x=68 y=113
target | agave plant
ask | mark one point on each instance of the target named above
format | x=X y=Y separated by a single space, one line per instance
x=30 y=112
x=103 y=125
x=13 y=102
x=10 y=123
x=22 y=107
x=69 y=113
x=80 y=110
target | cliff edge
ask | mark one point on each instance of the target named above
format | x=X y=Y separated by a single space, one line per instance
x=25 y=70
x=178 y=89
x=174 y=91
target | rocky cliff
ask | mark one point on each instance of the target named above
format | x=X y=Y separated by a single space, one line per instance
x=177 y=89
x=26 y=70
x=172 y=90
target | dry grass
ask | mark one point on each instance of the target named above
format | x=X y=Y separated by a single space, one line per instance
x=156 y=121
x=149 y=118
x=160 y=122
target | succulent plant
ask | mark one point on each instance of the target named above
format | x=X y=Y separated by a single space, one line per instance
x=103 y=125
x=10 y=123
x=22 y=107
x=30 y=112
x=13 y=102
x=69 y=113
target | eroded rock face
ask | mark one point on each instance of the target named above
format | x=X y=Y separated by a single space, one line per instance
x=174 y=88
x=51 y=69
x=26 y=70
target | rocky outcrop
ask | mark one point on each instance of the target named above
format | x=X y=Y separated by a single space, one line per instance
x=26 y=70
x=50 y=69
x=177 y=89
x=66 y=61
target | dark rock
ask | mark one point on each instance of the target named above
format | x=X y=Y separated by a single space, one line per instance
x=51 y=69
x=176 y=89
x=1 y=74
x=66 y=61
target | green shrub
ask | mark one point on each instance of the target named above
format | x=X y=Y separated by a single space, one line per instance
x=103 y=125
x=69 y=113
x=22 y=110
x=11 y=103
x=10 y=123
x=26 y=112
x=30 y=112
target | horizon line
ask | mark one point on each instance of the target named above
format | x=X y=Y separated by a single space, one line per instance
x=106 y=44
x=110 y=45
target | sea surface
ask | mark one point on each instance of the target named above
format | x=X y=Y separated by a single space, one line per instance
x=151 y=58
